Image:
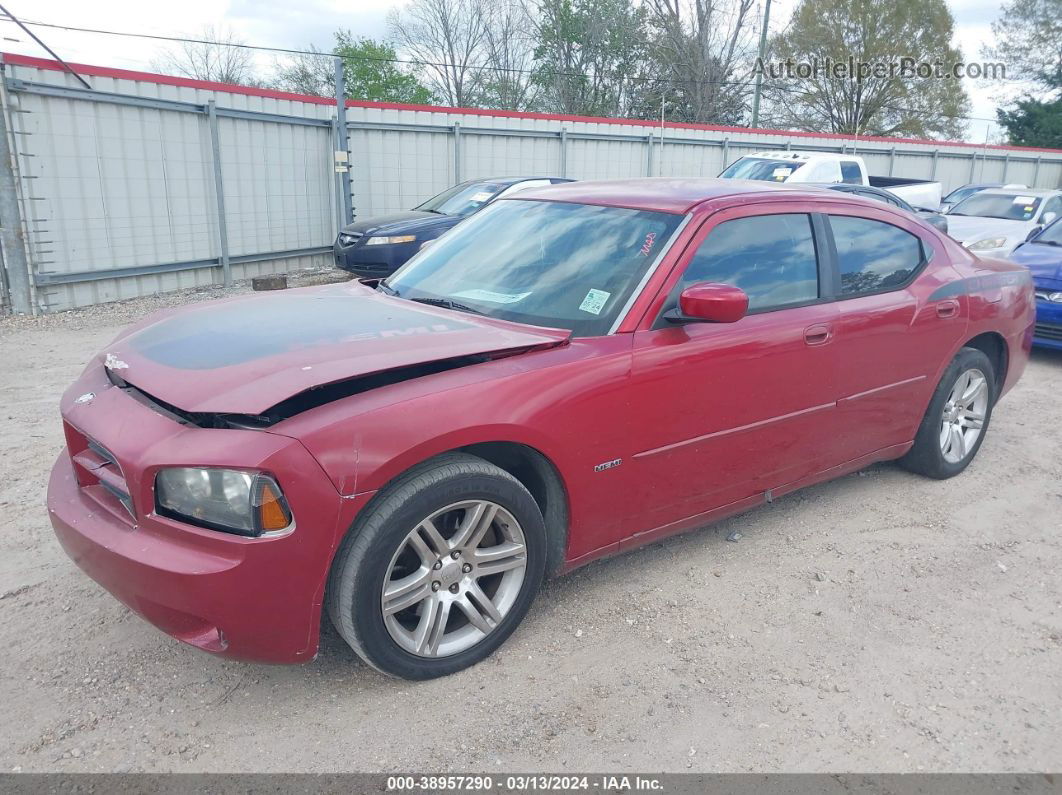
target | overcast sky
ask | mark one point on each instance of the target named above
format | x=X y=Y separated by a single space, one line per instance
x=283 y=23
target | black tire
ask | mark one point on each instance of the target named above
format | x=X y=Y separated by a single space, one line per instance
x=926 y=456
x=357 y=576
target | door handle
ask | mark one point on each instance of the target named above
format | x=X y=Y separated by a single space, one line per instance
x=947 y=308
x=817 y=334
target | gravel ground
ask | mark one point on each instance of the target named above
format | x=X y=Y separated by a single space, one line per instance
x=879 y=622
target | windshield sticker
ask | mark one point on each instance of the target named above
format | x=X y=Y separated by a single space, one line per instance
x=594 y=301
x=481 y=197
x=492 y=297
x=782 y=173
x=647 y=246
x=1024 y=199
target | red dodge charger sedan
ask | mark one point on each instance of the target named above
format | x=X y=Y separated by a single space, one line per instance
x=573 y=372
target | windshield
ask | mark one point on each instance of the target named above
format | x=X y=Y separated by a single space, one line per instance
x=959 y=194
x=761 y=168
x=463 y=199
x=1051 y=234
x=1009 y=206
x=562 y=265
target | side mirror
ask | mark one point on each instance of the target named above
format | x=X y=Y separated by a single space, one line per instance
x=1048 y=218
x=711 y=303
x=1034 y=232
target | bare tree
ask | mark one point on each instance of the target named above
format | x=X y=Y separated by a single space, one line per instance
x=447 y=37
x=702 y=52
x=306 y=74
x=212 y=58
x=509 y=55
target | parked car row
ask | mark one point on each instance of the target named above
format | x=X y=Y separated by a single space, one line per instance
x=788 y=167
x=378 y=246
x=991 y=219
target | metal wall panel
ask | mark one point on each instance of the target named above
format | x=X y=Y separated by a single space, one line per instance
x=125 y=183
x=112 y=186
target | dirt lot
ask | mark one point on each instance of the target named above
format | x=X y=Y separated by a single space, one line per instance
x=880 y=622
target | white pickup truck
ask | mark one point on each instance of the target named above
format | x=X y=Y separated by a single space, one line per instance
x=788 y=167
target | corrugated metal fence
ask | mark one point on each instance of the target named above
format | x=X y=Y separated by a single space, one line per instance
x=147 y=184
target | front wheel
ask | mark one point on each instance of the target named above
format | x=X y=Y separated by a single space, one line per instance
x=957 y=419
x=440 y=569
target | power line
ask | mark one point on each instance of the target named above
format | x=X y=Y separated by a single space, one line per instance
x=445 y=65
x=46 y=48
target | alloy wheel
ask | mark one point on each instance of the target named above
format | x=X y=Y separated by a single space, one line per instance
x=963 y=416
x=454 y=578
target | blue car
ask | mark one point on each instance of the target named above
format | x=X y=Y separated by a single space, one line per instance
x=378 y=246
x=1042 y=255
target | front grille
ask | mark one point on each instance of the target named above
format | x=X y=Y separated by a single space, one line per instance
x=1048 y=331
x=99 y=474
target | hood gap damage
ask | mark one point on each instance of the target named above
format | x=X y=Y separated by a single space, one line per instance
x=307 y=399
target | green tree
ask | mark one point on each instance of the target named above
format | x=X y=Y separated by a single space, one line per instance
x=370 y=70
x=1033 y=122
x=1029 y=42
x=589 y=55
x=881 y=100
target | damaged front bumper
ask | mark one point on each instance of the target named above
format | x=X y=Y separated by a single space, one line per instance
x=247 y=598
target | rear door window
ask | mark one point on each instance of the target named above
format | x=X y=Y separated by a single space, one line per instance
x=874 y=256
x=851 y=173
x=771 y=257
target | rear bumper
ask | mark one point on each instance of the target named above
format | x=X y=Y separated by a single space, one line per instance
x=373 y=261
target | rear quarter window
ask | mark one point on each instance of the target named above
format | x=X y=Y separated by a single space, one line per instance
x=874 y=256
x=851 y=173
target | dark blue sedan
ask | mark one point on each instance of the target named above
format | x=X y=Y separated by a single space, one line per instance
x=378 y=246
x=1042 y=255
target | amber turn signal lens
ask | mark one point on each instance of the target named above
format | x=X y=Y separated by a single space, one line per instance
x=273 y=513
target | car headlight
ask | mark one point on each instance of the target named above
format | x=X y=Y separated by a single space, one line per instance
x=230 y=500
x=1055 y=298
x=988 y=243
x=348 y=240
x=381 y=241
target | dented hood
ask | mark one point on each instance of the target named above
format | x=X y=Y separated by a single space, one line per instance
x=247 y=354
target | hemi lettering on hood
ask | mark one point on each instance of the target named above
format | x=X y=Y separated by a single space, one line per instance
x=244 y=355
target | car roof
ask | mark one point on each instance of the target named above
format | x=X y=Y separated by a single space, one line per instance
x=846 y=187
x=1035 y=192
x=658 y=194
x=795 y=155
x=513 y=180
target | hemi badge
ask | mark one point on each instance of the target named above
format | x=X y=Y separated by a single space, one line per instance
x=615 y=462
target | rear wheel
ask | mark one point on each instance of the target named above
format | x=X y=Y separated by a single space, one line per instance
x=440 y=570
x=957 y=419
